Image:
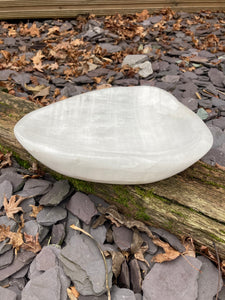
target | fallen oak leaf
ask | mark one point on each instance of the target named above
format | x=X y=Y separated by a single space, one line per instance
x=44 y=92
x=5 y=159
x=11 y=206
x=16 y=240
x=4 y=231
x=168 y=255
x=35 y=89
x=31 y=243
x=35 y=210
x=38 y=57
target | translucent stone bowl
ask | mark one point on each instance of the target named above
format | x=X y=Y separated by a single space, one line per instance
x=122 y=135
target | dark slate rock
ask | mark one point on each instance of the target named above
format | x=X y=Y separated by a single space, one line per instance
x=21 y=78
x=98 y=201
x=152 y=248
x=217 y=77
x=122 y=237
x=21 y=260
x=220 y=104
x=180 y=276
x=6 y=189
x=58 y=234
x=99 y=233
x=27 y=208
x=218 y=136
x=163 y=66
x=72 y=90
x=135 y=276
x=46 y=259
x=52 y=284
x=125 y=294
x=59 y=81
x=16 y=290
x=7 y=294
x=4 y=74
x=16 y=180
x=57 y=194
x=71 y=220
x=222 y=293
x=4 y=246
x=208 y=280
x=191 y=103
x=99 y=72
x=171 y=78
x=32 y=227
x=35 y=187
x=21 y=273
x=138 y=296
x=51 y=215
x=6 y=259
x=205 y=103
x=123 y=281
x=81 y=206
x=215 y=155
x=83 y=79
x=66 y=26
x=33 y=271
x=125 y=82
x=169 y=238
x=189 y=75
x=110 y=48
x=83 y=263
x=219 y=122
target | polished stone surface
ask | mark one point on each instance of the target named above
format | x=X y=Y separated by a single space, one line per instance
x=118 y=135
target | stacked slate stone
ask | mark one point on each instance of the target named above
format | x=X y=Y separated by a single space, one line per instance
x=71 y=258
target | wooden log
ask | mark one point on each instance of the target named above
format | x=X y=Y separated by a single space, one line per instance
x=191 y=203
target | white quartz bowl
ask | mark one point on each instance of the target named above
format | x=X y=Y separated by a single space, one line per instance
x=122 y=135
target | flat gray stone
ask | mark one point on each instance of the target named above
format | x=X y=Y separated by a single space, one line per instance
x=6 y=189
x=208 y=280
x=169 y=238
x=99 y=233
x=4 y=246
x=21 y=260
x=110 y=48
x=27 y=208
x=123 y=281
x=171 y=78
x=6 y=259
x=57 y=194
x=139 y=61
x=122 y=294
x=191 y=103
x=7 y=294
x=83 y=263
x=32 y=228
x=16 y=180
x=217 y=77
x=81 y=206
x=138 y=296
x=58 y=234
x=215 y=155
x=122 y=237
x=35 y=187
x=152 y=248
x=52 y=284
x=50 y=215
x=170 y=280
x=218 y=136
x=21 y=273
x=135 y=276
x=71 y=220
x=219 y=122
x=102 y=297
x=222 y=292
x=46 y=259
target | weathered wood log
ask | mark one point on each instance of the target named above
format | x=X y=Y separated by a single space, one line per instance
x=191 y=203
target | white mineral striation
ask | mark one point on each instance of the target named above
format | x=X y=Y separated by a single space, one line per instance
x=123 y=135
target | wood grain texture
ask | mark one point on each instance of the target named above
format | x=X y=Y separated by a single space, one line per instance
x=191 y=203
x=16 y=9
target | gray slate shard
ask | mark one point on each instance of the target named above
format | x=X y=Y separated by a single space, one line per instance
x=6 y=190
x=35 y=187
x=21 y=273
x=102 y=297
x=57 y=194
x=170 y=280
x=16 y=180
x=110 y=48
x=138 y=296
x=6 y=259
x=99 y=233
x=135 y=276
x=32 y=227
x=218 y=136
x=52 y=284
x=122 y=237
x=4 y=246
x=219 y=122
x=215 y=155
x=217 y=77
x=83 y=263
x=51 y=215
x=208 y=280
x=169 y=238
x=191 y=103
x=71 y=220
x=58 y=234
x=152 y=248
x=123 y=281
x=81 y=206
x=139 y=61
x=98 y=201
x=46 y=259
x=122 y=294
x=21 y=260
x=7 y=294
x=27 y=208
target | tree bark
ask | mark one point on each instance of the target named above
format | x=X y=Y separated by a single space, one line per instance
x=191 y=203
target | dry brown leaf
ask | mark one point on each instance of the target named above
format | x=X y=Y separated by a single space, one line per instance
x=16 y=240
x=54 y=29
x=43 y=93
x=11 y=206
x=103 y=86
x=144 y=15
x=72 y=293
x=5 y=160
x=31 y=243
x=140 y=254
x=34 y=31
x=170 y=253
x=6 y=54
x=4 y=231
x=35 y=210
x=117 y=260
x=34 y=89
x=38 y=57
x=189 y=246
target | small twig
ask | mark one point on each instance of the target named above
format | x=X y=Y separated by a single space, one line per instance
x=103 y=256
x=183 y=255
x=219 y=272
